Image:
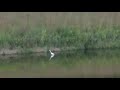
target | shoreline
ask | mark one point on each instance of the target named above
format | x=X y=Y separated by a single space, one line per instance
x=6 y=51
x=21 y=51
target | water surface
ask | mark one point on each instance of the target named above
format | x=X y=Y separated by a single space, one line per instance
x=83 y=64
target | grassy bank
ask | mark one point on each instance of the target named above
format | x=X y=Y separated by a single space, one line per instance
x=95 y=37
x=39 y=31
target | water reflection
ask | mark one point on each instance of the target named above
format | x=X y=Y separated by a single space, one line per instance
x=76 y=63
x=51 y=57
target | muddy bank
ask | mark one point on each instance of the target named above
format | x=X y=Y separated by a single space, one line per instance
x=6 y=51
x=30 y=50
x=18 y=51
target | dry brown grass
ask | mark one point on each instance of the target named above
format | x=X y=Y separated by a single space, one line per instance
x=58 y=19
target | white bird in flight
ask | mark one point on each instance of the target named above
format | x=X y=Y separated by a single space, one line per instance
x=52 y=54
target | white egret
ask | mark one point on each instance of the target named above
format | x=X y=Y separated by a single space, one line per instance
x=52 y=54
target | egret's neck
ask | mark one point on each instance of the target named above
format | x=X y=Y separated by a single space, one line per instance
x=50 y=51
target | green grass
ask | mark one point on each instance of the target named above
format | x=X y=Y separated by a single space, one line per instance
x=65 y=37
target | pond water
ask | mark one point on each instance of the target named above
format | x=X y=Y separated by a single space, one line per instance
x=69 y=64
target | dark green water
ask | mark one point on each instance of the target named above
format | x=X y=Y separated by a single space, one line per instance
x=92 y=63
